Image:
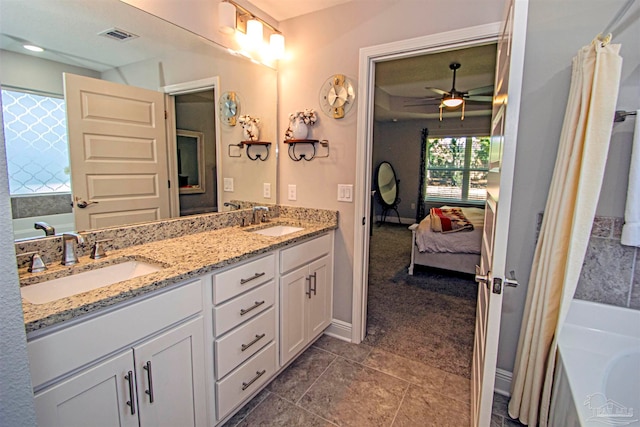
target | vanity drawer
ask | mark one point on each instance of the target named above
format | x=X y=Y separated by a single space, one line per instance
x=308 y=251
x=232 y=313
x=245 y=380
x=245 y=341
x=240 y=279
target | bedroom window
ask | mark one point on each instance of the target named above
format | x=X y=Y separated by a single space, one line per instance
x=35 y=133
x=456 y=169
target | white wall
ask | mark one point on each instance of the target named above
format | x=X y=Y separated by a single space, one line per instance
x=328 y=42
x=16 y=396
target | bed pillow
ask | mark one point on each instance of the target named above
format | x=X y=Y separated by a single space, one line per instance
x=449 y=220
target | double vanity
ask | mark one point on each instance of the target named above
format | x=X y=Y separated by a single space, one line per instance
x=212 y=318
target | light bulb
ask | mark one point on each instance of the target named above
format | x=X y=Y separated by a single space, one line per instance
x=226 y=18
x=255 y=32
x=276 y=44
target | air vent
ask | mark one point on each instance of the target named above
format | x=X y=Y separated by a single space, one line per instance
x=118 y=34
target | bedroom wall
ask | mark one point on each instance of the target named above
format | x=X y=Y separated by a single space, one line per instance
x=399 y=143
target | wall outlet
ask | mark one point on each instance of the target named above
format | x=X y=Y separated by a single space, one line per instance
x=413 y=205
x=292 y=193
x=228 y=184
x=266 y=190
x=345 y=193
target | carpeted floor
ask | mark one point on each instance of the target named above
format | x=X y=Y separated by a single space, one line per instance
x=428 y=317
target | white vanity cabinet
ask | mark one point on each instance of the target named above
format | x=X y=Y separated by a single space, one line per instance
x=154 y=374
x=306 y=294
x=245 y=329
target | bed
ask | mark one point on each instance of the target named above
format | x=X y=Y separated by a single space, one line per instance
x=459 y=251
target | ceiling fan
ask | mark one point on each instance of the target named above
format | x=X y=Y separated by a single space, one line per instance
x=454 y=98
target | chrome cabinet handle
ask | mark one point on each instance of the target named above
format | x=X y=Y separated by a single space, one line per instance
x=254 y=379
x=315 y=283
x=147 y=367
x=255 y=340
x=257 y=304
x=130 y=402
x=255 y=276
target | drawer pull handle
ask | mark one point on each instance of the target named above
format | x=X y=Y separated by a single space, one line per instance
x=254 y=379
x=244 y=311
x=130 y=402
x=255 y=340
x=255 y=276
x=308 y=279
x=147 y=367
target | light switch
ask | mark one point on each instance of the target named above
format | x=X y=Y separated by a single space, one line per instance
x=228 y=184
x=292 y=192
x=266 y=190
x=345 y=192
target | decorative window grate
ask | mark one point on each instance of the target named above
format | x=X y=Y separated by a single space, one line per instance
x=35 y=133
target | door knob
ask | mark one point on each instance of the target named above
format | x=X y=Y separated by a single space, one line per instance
x=83 y=204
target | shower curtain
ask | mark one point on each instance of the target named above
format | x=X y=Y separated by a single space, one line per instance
x=566 y=226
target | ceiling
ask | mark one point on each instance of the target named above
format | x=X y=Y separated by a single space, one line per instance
x=282 y=10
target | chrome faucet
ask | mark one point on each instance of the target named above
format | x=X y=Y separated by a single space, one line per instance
x=258 y=215
x=69 y=256
x=48 y=230
x=233 y=205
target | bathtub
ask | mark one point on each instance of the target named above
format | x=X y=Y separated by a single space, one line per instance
x=597 y=379
x=23 y=227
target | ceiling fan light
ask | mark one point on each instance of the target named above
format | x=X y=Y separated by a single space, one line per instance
x=452 y=102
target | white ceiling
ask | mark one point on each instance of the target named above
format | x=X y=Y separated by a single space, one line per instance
x=285 y=9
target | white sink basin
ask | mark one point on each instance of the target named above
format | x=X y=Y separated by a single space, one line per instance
x=278 y=230
x=55 y=289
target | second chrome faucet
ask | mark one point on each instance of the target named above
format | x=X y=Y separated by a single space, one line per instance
x=69 y=240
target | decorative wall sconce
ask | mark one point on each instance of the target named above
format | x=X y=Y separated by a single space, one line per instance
x=232 y=17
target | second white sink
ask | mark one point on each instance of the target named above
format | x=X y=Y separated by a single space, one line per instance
x=278 y=230
x=62 y=287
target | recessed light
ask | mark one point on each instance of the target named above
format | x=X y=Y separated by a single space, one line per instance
x=33 y=48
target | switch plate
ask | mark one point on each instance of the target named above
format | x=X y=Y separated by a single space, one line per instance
x=413 y=205
x=345 y=192
x=266 y=190
x=292 y=193
x=228 y=184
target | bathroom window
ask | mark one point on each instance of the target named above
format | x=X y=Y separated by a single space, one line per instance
x=456 y=169
x=35 y=133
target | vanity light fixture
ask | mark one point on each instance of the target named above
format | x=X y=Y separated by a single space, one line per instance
x=227 y=17
x=232 y=17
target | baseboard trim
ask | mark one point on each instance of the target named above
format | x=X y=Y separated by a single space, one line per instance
x=339 y=329
x=503 y=382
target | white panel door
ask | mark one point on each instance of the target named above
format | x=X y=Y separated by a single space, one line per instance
x=171 y=378
x=491 y=274
x=118 y=153
x=99 y=396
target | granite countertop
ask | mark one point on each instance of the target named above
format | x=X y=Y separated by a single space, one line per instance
x=182 y=258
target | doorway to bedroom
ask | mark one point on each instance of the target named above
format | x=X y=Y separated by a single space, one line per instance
x=427 y=317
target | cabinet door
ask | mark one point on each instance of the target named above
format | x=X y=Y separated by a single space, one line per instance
x=95 y=397
x=319 y=305
x=171 y=373
x=293 y=287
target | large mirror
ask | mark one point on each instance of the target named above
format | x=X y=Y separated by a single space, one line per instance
x=387 y=190
x=159 y=55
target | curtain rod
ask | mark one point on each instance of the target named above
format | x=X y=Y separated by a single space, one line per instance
x=623 y=10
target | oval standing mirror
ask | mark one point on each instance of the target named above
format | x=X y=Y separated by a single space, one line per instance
x=387 y=189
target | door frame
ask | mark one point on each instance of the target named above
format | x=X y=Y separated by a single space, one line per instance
x=369 y=56
x=171 y=92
